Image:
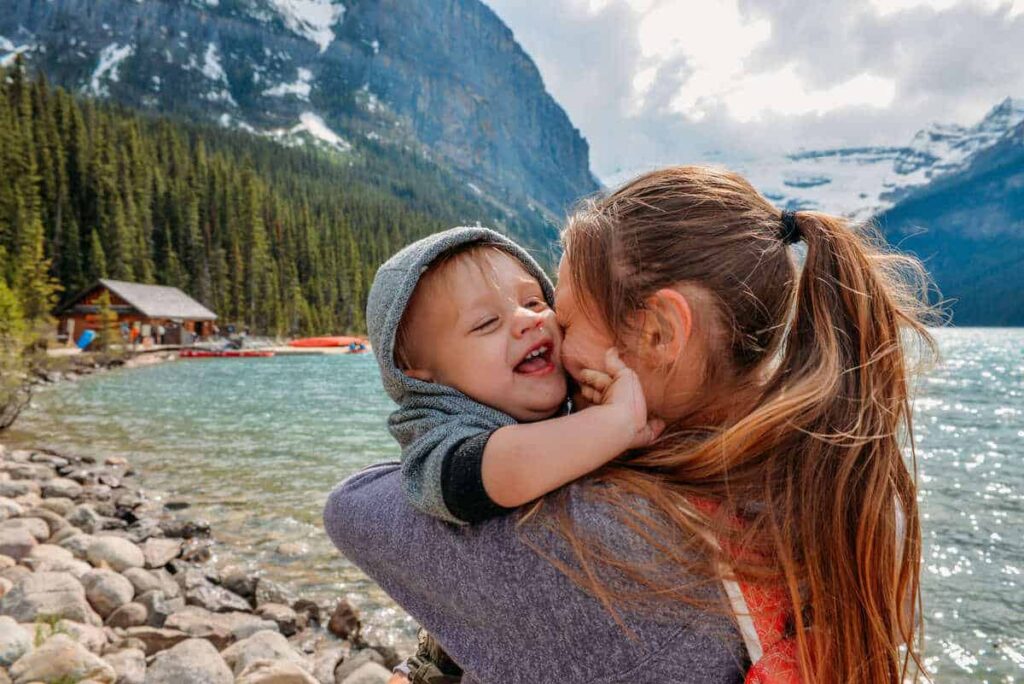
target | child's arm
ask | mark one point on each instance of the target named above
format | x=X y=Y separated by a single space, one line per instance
x=523 y=462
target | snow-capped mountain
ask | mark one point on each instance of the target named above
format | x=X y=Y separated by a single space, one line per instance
x=863 y=181
x=443 y=77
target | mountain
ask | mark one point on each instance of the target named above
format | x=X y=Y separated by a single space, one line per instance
x=968 y=227
x=863 y=181
x=445 y=78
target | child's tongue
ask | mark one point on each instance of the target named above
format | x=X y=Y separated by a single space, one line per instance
x=532 y=365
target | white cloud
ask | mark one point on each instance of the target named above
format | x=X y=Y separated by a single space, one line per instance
x=667 y=81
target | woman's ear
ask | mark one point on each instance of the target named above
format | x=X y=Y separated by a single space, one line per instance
x=667 y=324
x=419 y=374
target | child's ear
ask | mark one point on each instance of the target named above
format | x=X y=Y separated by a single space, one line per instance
x=419 y=374
x=667 y=322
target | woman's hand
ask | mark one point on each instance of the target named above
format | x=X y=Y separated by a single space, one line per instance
x=398 y=678
x=619 y=389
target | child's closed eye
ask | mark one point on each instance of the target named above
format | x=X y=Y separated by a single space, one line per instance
x=486 y=324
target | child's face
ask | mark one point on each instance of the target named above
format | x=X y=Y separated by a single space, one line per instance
x=482 y=326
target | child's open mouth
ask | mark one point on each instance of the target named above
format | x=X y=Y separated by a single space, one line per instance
x=537 y=361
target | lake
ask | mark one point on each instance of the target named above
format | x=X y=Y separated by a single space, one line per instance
x=256 y=444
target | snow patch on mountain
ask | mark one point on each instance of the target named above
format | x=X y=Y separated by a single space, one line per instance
x=862 y=181
x=311 y=19
x=300 y=88
x=107 y=69
x=212 y=68
x=9 y=51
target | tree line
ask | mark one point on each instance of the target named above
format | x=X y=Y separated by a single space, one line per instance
x=282 y=240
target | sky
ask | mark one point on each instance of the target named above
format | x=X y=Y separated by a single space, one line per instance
x=653 y=82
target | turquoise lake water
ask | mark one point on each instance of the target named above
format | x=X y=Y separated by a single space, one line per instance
x=256 y=444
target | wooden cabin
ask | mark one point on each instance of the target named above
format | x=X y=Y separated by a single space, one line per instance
x=146 y=309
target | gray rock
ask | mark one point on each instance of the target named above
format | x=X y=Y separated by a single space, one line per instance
x=168 y=584
x=158 y=552
x=93 y=638
x=193 y=660
x=129 y=615
x=61 y=658
x=142 y=580
x=116 y=461
x=60 y=487
x=107 y=591
x=236 y=579
x=73 y=566
x=368 y=673
x=49 y=552
x=14 y=643
x=48 y=594
x=55 y=522
x=129 y=664
x=15 y=573
x=29 y=471
x=356 y=661
x=6 y=561
x=292 y=549
x=9 y=508
x=38 y=527
x=156 y=639
x=185 y=529
x=200 y=591
x=268 y=591
x=244 y=625
x=200 y=624
x=120 y=554
x=58 y=505
x=197 y=550
x=274 y=672
x=159 y=607
x=261 y=646
x=64 y=534
x=5 y=585
x=85 y=518
x=287 y=620
x=16 y=543
x=15 y=488
x=326 y=656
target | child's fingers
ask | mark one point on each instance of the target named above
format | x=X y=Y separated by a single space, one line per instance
x=591 y=394
x=595 y=379
x=651 y=431
x=613 y=362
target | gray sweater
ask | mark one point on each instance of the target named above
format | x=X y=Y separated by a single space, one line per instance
x=505 y=613
x=442 y=432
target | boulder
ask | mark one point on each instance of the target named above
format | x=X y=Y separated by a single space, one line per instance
x=9 y=508
x=60 y=487
x=107 y=590
x=129 y=664
x=268 y=591
x=58 y=505
x=62 y=658
x=143 y=580
x=344 y=621
x=244 y=625
x=193 y=660
x=236 y=579
x=16 y=543
x=356 y=661
x=85 y=518
x=261 y=646
x=274 y=672
x=168 y=584
x=129 y=615
x=14 y=642
x=12 y=489
x=287 y=620
x=93 y=638
x=326 y=656
x=201 y=592
x=200 y=624
x=49 y=552
x=159 y=607
x=155 y=638
x=48 y=594
x=119 y=554
x=29 y=471
x=38 y=527
x=54 y=522
x=73 y=566
x=158 y=552
x=368 y=673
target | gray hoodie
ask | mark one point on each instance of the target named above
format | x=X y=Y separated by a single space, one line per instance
x=442 y=432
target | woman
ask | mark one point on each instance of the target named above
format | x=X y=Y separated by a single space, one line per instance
x=786 y=398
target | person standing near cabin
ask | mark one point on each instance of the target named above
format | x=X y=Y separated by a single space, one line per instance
x=786 y=398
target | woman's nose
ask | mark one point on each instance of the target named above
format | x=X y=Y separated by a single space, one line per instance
x=526 y=320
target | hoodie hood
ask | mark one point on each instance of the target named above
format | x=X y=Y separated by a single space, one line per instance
x=393 y=287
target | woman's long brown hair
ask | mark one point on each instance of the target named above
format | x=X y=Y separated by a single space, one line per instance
x=813 y=465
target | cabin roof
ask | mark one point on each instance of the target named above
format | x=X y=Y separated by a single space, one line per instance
x=158 y=301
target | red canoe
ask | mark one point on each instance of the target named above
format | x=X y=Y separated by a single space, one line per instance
x=340 y=341
x=227 y=353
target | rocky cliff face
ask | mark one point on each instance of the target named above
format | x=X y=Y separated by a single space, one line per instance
x=445 y=76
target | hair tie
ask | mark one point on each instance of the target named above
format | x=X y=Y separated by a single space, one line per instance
x=790 y=233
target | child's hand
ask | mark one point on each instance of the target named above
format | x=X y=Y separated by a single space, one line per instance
x=619 y=389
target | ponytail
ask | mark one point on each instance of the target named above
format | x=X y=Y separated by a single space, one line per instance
x=814 y=469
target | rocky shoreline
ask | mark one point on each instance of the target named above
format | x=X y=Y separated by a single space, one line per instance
x=101 y=583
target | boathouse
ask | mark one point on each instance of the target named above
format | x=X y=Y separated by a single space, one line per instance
x=156 y=313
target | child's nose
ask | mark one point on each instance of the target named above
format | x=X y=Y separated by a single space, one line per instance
x=527 y=320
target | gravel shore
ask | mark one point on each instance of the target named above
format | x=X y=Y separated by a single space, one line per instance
x=101 y=583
